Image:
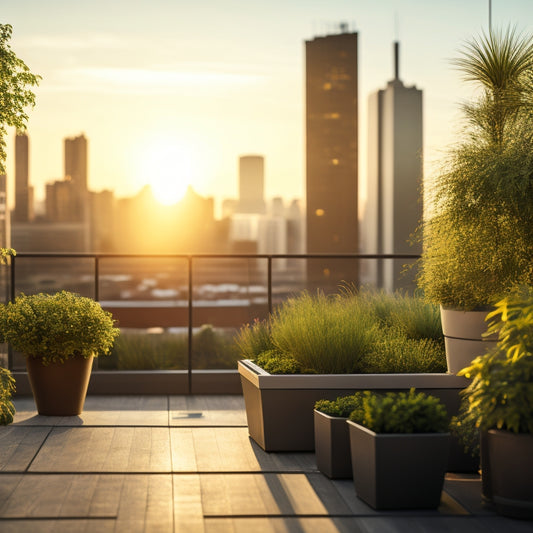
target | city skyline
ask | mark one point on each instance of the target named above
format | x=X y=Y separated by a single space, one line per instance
x=202 y=84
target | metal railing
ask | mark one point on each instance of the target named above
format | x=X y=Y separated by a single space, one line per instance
x=266 y=270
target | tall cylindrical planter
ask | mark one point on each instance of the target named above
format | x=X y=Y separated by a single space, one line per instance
x=464 y=337
x=59 y=389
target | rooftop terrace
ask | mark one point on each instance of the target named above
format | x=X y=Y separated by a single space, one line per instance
x=186 y=463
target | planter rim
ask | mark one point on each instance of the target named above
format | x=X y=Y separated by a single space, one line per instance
x=329 y=416
x=395 y=435
x=262 y=379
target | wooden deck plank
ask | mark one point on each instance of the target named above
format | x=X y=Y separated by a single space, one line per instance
x=182 y=450
x=210 y=410
x=19 y=445
x=188 y=511
x=269 y=494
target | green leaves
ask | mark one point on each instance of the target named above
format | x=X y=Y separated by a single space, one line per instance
x=501 y=392
x=7 y=387
x=402 y=412
x=55 y=327
x=16 y=95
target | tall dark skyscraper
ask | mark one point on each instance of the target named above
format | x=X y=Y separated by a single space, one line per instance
x=331 y=152
x=23 y=192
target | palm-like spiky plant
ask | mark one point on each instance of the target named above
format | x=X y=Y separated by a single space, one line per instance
x=501 y=63
x=479 y=242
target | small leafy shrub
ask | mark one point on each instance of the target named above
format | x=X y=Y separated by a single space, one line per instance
x=7 y=387
x=500 y=394
x=403 y=412
x=343 y=406
x=275 y=363
x=54 y=327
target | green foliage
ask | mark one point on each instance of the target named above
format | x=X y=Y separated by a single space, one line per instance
x=402 y=412
x=501 y=392
x=254 y=339
x=397 y=354
x=328 y=334
x=7 y=387
x=55 y=327
x=479 y=240
x=273 y=362
x=15 y=93
x=343 y=406
x=138 y=350
x=352 y=332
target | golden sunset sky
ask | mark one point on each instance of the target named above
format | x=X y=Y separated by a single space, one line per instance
x=177 y=90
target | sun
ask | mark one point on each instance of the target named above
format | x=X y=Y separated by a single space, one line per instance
x=167 y=168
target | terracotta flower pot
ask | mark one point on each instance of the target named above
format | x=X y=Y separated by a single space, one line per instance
x=59 y=389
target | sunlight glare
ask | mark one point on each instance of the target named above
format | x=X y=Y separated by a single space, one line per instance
x=167 y=167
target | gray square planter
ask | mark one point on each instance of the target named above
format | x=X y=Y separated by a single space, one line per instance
x=332 y=446
x=398 y=471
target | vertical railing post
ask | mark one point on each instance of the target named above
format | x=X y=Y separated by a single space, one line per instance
x=11 y=298
x=269 y=289
x=96 y=278
x=189 y=330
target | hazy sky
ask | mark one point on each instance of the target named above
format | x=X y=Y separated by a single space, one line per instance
x=195 y=84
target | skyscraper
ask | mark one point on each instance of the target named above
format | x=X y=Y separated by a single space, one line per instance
x=394 y=207
x=76 y=161
x=331 y=153
x=251 y=184
x=23 y=192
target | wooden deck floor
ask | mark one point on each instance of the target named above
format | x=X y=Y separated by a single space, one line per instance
x=186 y=463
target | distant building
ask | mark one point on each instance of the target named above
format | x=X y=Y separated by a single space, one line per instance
x=76 y=161
x=251 y=184
x=331 y=155
x=23 y=192
x=393 y=207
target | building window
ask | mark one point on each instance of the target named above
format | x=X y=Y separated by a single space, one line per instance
x=320 y=212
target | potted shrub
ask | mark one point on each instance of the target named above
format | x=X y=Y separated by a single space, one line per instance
x=7 y=387
x=478 y=243
x=59 y=334
x=399 y=447
x=319 y=348
x=332 y=439
x=499 y=401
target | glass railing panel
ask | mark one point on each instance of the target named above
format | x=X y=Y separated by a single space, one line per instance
x=148 y=296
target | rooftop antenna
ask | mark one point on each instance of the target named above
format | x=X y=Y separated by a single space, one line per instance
x=490 y=16
x=396 y=60
x=396 y=47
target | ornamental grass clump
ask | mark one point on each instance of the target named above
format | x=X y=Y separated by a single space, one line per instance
x=330 y=335
x=55 y=327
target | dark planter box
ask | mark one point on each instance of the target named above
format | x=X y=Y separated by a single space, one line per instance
x=397 y=471
x=332 y=446
x=510 y=458
x=279 y=408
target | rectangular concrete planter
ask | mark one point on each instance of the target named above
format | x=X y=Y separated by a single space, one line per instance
x=279 y=408
x=398 y=471
x=332 y=446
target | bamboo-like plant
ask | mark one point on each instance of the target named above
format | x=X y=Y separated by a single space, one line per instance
x=478 y=243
